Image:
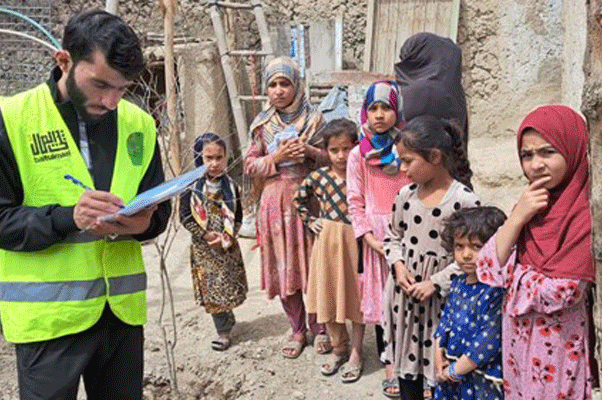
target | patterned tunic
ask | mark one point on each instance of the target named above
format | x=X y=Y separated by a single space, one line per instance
x=218 y=275
x=413 y=236
x=332 y=289
x=331 y=192
x=545 y=327
x=471 y=325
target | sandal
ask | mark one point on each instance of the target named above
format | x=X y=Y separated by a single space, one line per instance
x=391 y=383
x=322 y=344
x=220 y=344
x=333 y=364
x=350 y=373
x=293 y=348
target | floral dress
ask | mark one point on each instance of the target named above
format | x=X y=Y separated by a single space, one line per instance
x=545 y=327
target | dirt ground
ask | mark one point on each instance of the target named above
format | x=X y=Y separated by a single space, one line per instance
x=253 y=367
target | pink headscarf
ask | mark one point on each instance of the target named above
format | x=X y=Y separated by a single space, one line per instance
x=557 y=242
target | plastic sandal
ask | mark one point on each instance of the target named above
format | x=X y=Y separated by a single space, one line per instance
x=333 y=364
x=350 y=373
x=322 y=344
x=220 y=344
x=293 y=349
x=391 y=383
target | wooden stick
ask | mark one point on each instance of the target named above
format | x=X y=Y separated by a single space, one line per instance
x=168 y=7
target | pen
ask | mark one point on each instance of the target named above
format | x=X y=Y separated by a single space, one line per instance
x=77 y=182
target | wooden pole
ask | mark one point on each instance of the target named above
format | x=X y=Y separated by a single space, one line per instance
x=592 y=108
x=168 y=7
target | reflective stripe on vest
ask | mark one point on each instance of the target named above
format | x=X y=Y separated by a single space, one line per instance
x=70 y=291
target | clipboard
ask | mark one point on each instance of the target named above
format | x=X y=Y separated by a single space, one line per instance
x=161 y=192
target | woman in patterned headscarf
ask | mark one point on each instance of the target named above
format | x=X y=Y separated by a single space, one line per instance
x=282 y=153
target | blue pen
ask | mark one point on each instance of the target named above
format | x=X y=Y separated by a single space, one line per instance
x=77 y=182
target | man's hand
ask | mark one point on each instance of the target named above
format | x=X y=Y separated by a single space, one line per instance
x=123 y=225
x=94 y=204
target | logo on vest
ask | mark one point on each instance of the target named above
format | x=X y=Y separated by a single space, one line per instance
x=51 y=146
x=135 y=147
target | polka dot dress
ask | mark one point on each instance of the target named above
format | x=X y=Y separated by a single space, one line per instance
x=413 y=236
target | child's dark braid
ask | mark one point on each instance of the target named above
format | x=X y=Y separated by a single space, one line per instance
x=458 y=159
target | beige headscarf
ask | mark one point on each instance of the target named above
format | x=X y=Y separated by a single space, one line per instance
x=299 y=113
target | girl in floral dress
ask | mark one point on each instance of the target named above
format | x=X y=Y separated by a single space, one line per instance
x=541 y=256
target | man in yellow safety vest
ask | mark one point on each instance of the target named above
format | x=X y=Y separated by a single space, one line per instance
x=73 y=284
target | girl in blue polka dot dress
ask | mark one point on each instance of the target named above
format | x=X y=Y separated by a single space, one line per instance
x=432 y=156
x=468 y=356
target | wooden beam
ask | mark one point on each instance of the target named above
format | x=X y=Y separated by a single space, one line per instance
x=369 y=35
x=170 y=86
x=592 y=108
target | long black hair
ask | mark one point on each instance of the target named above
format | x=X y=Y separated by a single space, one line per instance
x=426 y=133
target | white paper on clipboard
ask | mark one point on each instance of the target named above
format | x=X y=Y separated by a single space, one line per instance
x=161 y=192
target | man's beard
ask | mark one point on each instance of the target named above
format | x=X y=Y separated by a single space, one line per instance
x=78 y=99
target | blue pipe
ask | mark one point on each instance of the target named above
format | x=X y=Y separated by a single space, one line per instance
x=34 y=23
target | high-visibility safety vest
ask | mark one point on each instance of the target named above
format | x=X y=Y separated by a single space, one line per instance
x=63 y=289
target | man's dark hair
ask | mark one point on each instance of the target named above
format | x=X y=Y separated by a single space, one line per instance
x=94 y=30
x=474 y=222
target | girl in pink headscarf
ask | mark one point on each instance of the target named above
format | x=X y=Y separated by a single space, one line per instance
x=542 y=258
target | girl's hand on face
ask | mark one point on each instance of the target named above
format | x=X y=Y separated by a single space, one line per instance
x=403 y=277
x=534 y=199
x=212 y=238
x=422 y=290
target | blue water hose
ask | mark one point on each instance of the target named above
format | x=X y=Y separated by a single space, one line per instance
x=34 y=23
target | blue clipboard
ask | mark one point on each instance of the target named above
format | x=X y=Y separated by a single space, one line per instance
x=161 y=192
